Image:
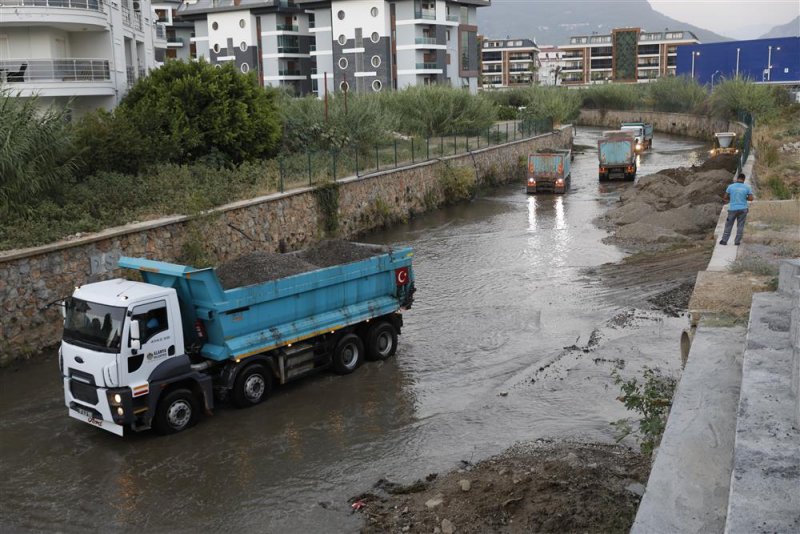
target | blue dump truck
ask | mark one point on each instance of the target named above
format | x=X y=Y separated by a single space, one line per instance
x=159 y=352
x=549 y=171
x=617 y=154
x=642 y=133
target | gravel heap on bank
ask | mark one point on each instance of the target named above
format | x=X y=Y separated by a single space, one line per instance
x=673 y=204
x=262 y=266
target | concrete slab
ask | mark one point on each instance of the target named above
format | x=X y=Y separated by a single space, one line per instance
x=723 y=255
x=788 y=276
x=765 y=481
x=689 y=485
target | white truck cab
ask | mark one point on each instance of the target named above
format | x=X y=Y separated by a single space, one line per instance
x=638 y=135
x=116 y=335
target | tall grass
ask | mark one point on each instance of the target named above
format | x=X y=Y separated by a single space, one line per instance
x=556 y=104
x=675 y=94
x=737 y=95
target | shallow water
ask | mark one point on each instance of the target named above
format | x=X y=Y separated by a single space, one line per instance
x=500 y=294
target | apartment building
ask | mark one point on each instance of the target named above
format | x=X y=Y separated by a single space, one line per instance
x=627 y=55
x=177 y=32
x=86 y=51
x=354 y=45
x=551 y=63
x=509 y=63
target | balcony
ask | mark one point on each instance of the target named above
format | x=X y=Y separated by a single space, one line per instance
x=288 y=49
x=425 y=14
x=425 y=40
x=287 y=28
x=54 y=70
x=175 y=42
x=289 y=72
x=70 y=15
x=92 y=5
x=427 y=66
x=452 y=18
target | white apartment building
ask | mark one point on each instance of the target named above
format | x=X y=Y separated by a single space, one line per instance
x=551 y=63
x=90 y=51
x=509 y=63
x=177 y=32
x=354 y=45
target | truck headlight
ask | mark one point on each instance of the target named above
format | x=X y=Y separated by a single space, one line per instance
x=638 y=146
x=120 y=411
x=117 y=399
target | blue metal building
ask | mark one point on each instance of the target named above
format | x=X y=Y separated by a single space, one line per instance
x=774 y=61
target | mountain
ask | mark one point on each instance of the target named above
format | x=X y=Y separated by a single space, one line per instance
x=553 y=22
x=790 y=29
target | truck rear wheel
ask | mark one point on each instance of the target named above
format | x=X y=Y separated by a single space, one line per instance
x=381 y=341
x=252 y=386
x=176 y=411
x=348 y=354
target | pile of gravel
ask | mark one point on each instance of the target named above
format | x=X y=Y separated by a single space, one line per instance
x=258 y=267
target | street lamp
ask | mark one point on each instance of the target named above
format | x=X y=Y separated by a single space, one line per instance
x=712 y=79
x=737 y=61
x=769 y=61
x=694 y=55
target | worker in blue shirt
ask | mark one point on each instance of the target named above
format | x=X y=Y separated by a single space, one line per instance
x=738 y=193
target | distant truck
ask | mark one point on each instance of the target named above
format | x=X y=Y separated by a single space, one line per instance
x=724 y=143
x=549 y=171
x=156 y=353
x=616 y=153
x=642 y=134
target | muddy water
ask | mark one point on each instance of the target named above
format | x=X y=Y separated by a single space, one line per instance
x=482 y=363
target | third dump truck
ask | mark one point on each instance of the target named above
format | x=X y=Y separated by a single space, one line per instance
x=642 y=133
x=617 y=155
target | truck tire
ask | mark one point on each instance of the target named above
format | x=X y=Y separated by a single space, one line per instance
x=381 y=341
x=252 y=386
x=177 y=410
x=348 y=354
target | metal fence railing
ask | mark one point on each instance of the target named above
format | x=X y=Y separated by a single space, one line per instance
x=318 y=166
x=52 y=70
x=94 y=5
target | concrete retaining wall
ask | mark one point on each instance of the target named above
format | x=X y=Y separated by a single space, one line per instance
x=32 y=278
x=699 y=126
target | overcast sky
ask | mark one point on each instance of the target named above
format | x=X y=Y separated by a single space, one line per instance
x=740 y=19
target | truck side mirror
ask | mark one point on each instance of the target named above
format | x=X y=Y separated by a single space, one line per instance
x=136 y=344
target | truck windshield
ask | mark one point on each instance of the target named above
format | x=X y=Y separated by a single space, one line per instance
x=94 y=326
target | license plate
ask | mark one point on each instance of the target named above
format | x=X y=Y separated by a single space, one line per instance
x=84 y=412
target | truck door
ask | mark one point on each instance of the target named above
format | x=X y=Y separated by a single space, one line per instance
x=157 y=342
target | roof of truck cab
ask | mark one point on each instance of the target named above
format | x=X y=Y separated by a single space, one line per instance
x=119 y=292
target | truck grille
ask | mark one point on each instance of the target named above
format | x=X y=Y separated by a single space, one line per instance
x=82 y=387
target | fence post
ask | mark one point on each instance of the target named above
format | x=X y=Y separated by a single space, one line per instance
x=377 y=160
x=467 y=144
x=455 y=144
x=333 y=158
x=506 y=132
x=395 y=153
x=280 y=166
x=412 y=150
x=488 y=136
x=441 y=146
x=308 y=158
x=427 y=148
x=356 y=162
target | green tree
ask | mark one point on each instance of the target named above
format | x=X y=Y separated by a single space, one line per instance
x=36 y=152
x=111 y=143
x=188 y=110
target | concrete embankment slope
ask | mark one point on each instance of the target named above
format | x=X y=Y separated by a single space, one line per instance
x=729 y=460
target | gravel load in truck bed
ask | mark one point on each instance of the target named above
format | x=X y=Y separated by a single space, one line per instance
x=258 y=267
x=338 y=251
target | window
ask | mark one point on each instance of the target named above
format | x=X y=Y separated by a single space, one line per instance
x=344 y=86
x=343 y=63
x=376 y=61
x=245 y=68
x=374 y=37
x=340 y=14
x=242 y=23
x=377 y=85
x=342 y=39
x=214 y=26
x=216 y=48
x=374 y=11
x=152 y=320
x=243 y=46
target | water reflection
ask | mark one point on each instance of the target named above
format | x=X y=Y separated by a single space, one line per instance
x=532 y=202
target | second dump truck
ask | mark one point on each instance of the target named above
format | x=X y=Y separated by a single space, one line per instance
x=617 y=155
x=549 y=171
x=158 y=352
x=642 y=133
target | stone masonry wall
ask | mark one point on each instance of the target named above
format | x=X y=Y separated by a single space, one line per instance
x=700 y=126
x=32 y=278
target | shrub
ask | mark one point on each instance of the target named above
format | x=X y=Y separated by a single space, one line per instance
x=651 y=399
x=110 y=143
x=554 y=104
x=734 y=96
x=457 y=183
x=614 y=96
x=36 y=153
x=675 y=94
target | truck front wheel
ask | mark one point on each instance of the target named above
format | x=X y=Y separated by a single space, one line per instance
x=176 y=412
x=348 y=354
x=252 y=386
x=381 y=341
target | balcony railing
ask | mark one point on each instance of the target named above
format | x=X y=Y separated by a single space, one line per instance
x=427 y=66
x=175 y=41
x=312 y=47
x=287 y=28
x=137 y=22
x=425 y=40
x=427 y=14
x=288 y=49
x=161 y=32
x=127 y=18
x=54 y=70
x=452 y=18
x=93 y=5
x=289 y=72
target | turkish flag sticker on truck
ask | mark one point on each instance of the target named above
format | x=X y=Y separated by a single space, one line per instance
x=401 y=276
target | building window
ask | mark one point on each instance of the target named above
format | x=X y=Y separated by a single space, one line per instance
x=214 y=26
x=342 y=39
x=242 y=23
x=216 y=48
x=375 y=37
x=243 y=46
x=340 y=14
x=245 y=68
x=343 y=63
x=376 y=61
x=377 y=85
x=374 y=11
x=344 y=86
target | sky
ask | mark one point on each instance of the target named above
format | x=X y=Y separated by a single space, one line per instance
x=739 y=19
